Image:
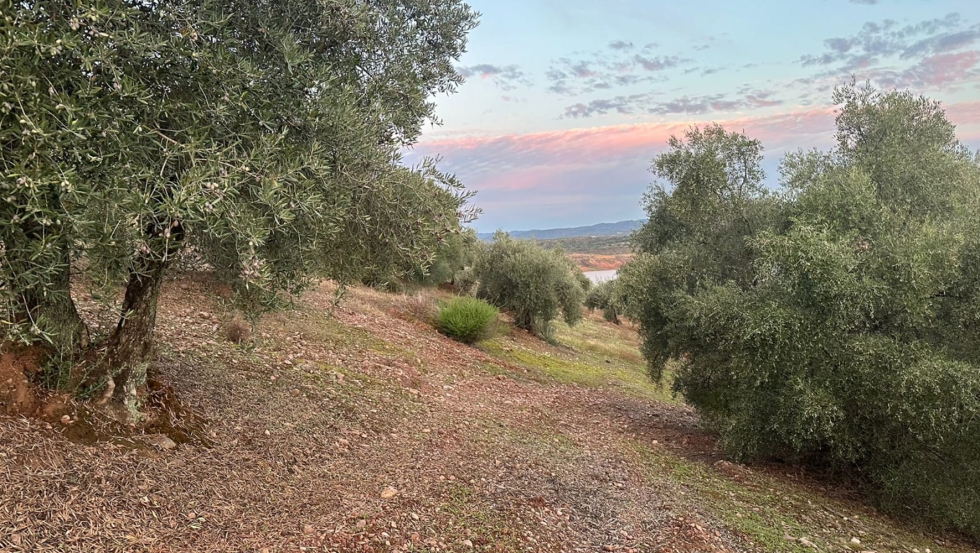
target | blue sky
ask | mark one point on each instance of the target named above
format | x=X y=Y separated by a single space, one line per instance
x=567 y=101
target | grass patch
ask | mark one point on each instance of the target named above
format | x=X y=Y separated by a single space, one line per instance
x=579 y=366
x=766 y=509
x=601 y=338
x=463 y=513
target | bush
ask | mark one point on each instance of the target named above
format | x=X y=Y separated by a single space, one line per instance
x=466 y=319
x=533 y=283
x=835 y=324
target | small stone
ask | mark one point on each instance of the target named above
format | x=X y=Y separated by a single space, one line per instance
x=468 y=543
x=65 y=419
x=191 y=515
x=161 y=441
x=308 y=529
x=415 y=516
x=807 y=543
x=295 y=392
x=343 y=442
x=388 y=492
x=855 y=541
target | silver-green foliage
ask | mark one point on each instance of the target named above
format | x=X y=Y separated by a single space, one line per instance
x=466 y=319
x=839 y=324
x=454 y=255
x=535 y=284
x=264 y=134
x=605 y=296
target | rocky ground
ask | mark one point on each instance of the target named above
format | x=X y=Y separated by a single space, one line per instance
x=359 y=428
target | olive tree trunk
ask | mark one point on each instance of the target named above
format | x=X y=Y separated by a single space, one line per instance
x=53 y=310
x=130 y=349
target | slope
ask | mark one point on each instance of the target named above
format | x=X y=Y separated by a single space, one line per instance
x=361 y=429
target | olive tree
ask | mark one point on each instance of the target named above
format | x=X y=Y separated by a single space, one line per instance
x=535 y=284
x=264 y=134
x=701 y=217
x=849 y=335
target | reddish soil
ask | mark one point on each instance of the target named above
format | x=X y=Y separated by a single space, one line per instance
x=17 y=395
x=600 y=262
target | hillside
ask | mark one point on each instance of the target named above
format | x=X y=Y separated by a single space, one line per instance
x=622 y=228
x=365 y=430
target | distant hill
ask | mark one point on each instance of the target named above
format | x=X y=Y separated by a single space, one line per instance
x=621 y=228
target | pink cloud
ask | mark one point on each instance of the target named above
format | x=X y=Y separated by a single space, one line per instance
x=492 y=158
x=943 y=69
x=524 y=176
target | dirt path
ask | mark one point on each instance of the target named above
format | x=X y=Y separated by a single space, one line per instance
x=368 y=431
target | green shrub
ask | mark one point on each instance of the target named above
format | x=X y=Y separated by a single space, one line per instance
x=466 y=319
x=533 y=283
x=835 y=323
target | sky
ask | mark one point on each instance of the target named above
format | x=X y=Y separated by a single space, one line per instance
x=567 y=102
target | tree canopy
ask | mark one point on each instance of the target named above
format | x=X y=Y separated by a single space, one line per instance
x=264 y=135
x=535 y=284
x=834 y=321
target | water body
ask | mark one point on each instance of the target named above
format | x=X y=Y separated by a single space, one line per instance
x=601 y=276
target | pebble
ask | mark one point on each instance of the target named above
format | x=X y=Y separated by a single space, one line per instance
x=807 y=543
x=161 y=441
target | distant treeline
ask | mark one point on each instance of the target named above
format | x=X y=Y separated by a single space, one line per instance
x=604 y=245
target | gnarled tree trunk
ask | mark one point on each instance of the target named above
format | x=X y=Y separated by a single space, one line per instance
x=54 y=310
x=130 y=349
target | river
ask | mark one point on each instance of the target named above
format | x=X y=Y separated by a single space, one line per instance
x=601 y=276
